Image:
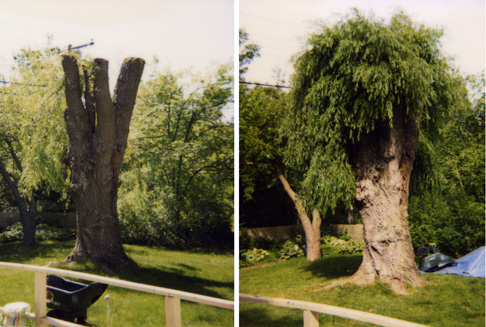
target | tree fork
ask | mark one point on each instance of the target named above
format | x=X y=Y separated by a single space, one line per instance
x=98 y=132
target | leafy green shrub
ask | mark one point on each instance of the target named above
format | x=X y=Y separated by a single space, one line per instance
x=454 y=221
x=333 y=245
x=11 y=233
x=45 y=232
x=252 y=257
x=291 y=249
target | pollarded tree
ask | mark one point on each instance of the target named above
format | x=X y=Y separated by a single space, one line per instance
x=363 y=92
x=98 y=126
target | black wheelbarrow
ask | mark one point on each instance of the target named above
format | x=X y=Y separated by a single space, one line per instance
x=70 y=300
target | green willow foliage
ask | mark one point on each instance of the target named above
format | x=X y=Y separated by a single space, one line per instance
x=353 y=76
x=32 y=110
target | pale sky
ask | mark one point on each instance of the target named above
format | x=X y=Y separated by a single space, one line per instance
x=182 y=34
x=281 y=27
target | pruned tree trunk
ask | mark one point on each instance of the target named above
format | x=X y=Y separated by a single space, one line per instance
x=383 y=163
x=98 y=130
x=312 y=228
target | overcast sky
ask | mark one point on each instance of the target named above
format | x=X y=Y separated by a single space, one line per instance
x=281 y=27
x=182 y=34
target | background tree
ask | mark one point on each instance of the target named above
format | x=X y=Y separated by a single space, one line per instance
x=179 y=174
x=32 y=137
x=447 y=193
x=248 y=52
x=98 y=126
x=363 y=92
x=261 y=113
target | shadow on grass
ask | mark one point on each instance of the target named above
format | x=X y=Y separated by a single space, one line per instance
x=256 y=317
x=335 y=267
x=177 y=278
x=19 y=253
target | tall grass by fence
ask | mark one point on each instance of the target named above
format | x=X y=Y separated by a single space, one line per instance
x=277 y=233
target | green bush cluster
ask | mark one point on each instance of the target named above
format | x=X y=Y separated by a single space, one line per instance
x=151 y=228
x=44 y=232
x=332 y=245
x=260 y=250
x=11 y=233
x=252 y=257
x=454 y=222
x=292 y=249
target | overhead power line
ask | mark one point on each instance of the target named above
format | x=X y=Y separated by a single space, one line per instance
x=15 y=83
x=273 y=20
x=266 y=85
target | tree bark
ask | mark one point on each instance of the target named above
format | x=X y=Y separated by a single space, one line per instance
x=312 y=228
x=27 y=208
x=98 y=130
x=383 y=162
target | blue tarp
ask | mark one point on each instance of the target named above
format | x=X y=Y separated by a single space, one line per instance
x=470 y=265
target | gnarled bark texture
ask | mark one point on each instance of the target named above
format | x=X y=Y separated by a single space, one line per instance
x=98 y=131
x=383 y=162
x=312 y=228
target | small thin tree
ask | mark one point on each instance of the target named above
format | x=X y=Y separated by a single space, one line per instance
x=98 y=127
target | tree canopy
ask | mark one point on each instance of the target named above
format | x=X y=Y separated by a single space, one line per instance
x=179 y=173
x=351 y=77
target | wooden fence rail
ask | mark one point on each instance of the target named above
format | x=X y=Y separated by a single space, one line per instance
x=172 y=297
x=311 y=312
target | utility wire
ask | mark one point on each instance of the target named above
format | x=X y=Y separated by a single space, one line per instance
x=7 y=82
x=267 y=85
x=272 y=20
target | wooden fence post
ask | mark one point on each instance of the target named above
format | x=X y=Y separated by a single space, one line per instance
x=311 y=318
x=40 y=298
x=172 y=311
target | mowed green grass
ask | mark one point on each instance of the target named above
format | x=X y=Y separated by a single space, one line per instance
x=206 y=274
x=447 y=300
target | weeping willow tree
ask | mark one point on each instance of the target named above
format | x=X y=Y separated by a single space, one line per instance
x=364 y=92
x=32 y=137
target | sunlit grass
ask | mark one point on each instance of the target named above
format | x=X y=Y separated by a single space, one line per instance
x=206 y=274
x=447 y=300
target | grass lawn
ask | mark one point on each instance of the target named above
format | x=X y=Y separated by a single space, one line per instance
x=447 y=300
x=206 y=274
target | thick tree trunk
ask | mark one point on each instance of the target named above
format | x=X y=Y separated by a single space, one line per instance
x=98 y=131
x=383 y=163
x=312 y=229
